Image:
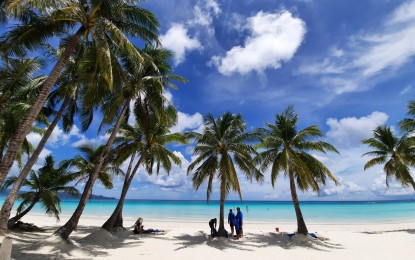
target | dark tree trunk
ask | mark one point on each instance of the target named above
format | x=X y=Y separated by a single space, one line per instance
x=221 y=231
x=16 y=218
x=65 y=231
x=110 y=223
x=25 y=125
x=14 y=192
x=301 y=227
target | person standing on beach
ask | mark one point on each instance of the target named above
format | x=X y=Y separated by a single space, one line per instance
x=212 y=225
x=239 y=217
x=231 y=220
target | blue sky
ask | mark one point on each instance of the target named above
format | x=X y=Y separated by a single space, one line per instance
x=346 y=66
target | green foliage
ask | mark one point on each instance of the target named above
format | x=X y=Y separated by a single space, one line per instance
x=223 y=144
x=285 y=149
x=44 y=187
x=396 y=154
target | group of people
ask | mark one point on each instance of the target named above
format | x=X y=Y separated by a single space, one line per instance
x=235 y=222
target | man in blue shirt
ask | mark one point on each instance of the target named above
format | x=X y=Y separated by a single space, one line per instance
x=239 y=217
x=231 y=220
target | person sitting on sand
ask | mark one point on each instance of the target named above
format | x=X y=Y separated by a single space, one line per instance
x=146 y=231
x=212 y=225
x=139 y=228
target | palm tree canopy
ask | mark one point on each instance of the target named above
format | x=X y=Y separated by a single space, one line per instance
x=408 y=124
x=286 y=149
x=84 y=163
x=397 y=154
x=44 y=187
x=223 y=143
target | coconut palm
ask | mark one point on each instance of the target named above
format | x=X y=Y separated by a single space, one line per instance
x=396 y=155
x=408 y=124
x=145 y=80
x=222 y=144
x=18 y=90
x=147 y=141
x=66 y=93
x=104 y=23
x=83 y=164
x=43 y=188
x=285 y=149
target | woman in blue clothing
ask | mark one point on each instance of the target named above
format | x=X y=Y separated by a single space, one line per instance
x=237 y=227
x=240 y=217
x=231 y=220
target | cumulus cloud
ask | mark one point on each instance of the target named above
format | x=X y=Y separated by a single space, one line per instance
x=275 y=38
x=351 y=130
x=178 y=40
x=188 y=122
x=178 y=37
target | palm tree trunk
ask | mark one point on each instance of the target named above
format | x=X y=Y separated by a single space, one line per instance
x=221 y=231
x=24 y=127
x=301 y=227
x=12 y=196
x=16 y=218
x=110 y=223
x=72 y=223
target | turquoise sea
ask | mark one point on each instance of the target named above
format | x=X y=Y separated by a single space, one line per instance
x=254 y=211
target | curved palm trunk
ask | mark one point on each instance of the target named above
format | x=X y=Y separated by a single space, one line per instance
x=72 y=223
x=24 y=127
x=14 y=192
x=301 y=227
x=16 y=218
x=221 y=231
x=116 y=216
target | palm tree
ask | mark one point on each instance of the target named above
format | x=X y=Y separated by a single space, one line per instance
x=67 y=90
x=18 y=90
x=83 y=164
x=408 y=124
x=222 y=144
x=44 y=187
x=286 y=150
x=147 y=140
x=396 y=154
x=104 y=23
x=135 y=80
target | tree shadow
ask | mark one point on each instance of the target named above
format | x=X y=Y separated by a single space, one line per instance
x=77 y=247
x=252 y=241
x=410 y=231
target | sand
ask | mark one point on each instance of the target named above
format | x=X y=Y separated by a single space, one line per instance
x=191 y=240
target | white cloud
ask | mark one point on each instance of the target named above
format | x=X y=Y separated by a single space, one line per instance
x=351 y=130
x=368 y=57
x=178 y=40
x=203 y=12
x=406 y=90
x=275 y=37
x=188 y=122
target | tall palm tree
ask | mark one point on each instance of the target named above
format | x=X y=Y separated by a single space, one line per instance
x=67 y=90
x=396 y=154
x=286 y=149
x=223 y=144
x=18 y=90
x=44 y=187
x=147 y=140
x=144 y=80
x=103 y=22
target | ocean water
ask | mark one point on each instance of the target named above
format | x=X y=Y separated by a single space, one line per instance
x=254 y=211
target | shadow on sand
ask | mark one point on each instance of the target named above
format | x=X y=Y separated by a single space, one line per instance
x=251 y=242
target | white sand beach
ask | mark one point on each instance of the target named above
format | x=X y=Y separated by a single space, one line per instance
x=184 y=240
